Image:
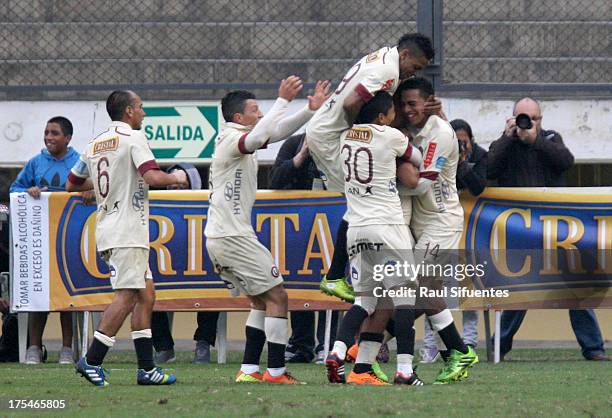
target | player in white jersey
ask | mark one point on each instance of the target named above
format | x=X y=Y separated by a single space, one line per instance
x=119 y=166
x=437 y=215
x=381 y=70
x=377 y=235
x=239 y=258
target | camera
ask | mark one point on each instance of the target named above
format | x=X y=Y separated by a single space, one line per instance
x=523 y=121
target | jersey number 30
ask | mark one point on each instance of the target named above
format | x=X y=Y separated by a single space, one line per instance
x=352 y=164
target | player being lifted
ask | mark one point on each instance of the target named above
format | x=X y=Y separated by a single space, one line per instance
x=122 y=167
x=381 y=70
x=377 y=234
x=238 y=257
x=437 y=215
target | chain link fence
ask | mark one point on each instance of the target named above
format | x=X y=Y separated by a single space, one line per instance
x=526 y=41
x=173 y=44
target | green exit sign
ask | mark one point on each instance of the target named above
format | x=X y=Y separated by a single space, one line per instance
x=183 y=131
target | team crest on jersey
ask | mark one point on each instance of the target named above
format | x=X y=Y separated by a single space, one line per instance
x=431 y=150
x=110 y=144
x=372 y=57
x=359 y=134
x=387 y=85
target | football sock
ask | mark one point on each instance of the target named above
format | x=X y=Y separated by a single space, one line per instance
x=277 y=336
x=369 y=345
x=99 y=347
x=404 y=364
x=143 y=344
x=390 y=328
x=340 y=349
x=351 y=323
x=340 y=257
x=452 y=340
x=255 y=341
x=404 y=331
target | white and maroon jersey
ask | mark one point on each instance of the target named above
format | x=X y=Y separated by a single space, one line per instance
x=368 y=156
x=438 y=208
x=374 y=72
x=116 y=160
x=232 y=183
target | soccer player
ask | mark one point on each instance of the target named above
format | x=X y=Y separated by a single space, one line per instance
x=437 y=215
x=238 y=257
x=376 y=232
x=119 y=165
x=381 y=70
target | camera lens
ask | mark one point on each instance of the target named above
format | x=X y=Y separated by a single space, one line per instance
x=523 y=121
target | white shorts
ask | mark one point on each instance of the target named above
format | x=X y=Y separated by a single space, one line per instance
x=129 y=267
x=372 y=247
x=436 y=246
x=326 y=154
x=244 y=263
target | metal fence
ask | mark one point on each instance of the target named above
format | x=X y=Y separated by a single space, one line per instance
x=215 y=44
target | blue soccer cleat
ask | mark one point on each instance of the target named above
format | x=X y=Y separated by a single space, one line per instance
x=155 y=377
x=95 y=374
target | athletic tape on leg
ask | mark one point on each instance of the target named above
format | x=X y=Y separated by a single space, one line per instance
x=256 y=319
x=441 y=320
x=277 y=330
x=104 y=339
x=367 y=303
x=143 y=333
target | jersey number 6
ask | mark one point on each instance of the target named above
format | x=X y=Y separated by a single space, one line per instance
x=102 y=173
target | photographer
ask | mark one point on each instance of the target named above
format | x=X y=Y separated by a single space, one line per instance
x=528 y=156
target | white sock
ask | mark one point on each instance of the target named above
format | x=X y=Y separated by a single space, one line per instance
x=276 y=371
x=404 y=364
x=340 y=349
x=249 y=368
x=368 y=350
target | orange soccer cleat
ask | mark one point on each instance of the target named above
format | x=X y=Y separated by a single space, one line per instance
x=351 y=353
x=367 y=378
x=283 y=379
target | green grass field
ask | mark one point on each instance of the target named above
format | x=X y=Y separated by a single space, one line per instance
x=535 y=383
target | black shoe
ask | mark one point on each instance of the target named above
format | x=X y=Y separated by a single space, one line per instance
x=412 y=380
x=301 y=357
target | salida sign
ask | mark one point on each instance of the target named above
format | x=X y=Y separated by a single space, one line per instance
x=183 y=131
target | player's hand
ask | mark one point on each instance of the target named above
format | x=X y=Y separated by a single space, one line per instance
x=181 y=178
x=528 y=136
x=321 y=93
x=36 y=191
x=301 y=156
x=433 y=106
x=89 y=197
x=290 y=87
x=510 y=128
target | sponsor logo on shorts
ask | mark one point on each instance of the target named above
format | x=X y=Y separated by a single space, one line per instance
x=275 y=272
x=354 y=274
x=364 y=246
x=431 y=150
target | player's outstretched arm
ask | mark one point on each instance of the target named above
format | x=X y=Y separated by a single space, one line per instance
x=291 y=123
x=261 y=133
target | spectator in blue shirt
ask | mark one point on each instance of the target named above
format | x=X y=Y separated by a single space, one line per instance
x=47 y=172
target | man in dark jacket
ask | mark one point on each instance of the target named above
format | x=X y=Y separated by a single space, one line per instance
x=294 y=169
x=537 y=158
x=472 y=168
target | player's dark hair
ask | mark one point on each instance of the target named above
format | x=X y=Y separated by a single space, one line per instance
x=234 y=102
x=117 y=102
x=461 y=125
x=380 y=103
x=417 y=44
x=64 y=123
x=416 y=83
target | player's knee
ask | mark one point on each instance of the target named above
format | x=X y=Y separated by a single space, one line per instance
x=367 y=303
